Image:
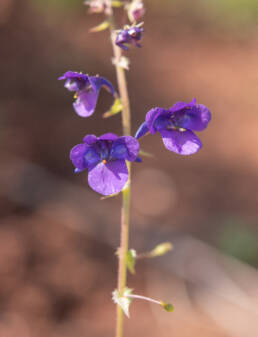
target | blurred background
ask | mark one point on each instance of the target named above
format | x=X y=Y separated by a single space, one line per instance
x=58 y=240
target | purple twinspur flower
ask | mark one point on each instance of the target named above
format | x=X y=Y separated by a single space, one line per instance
x=99 y=6
x=105 y=159
x=176 y=126
x=129 y=35
x=86 y=89
x=135 y=10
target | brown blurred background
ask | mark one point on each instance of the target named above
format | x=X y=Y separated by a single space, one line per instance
x=57 y=239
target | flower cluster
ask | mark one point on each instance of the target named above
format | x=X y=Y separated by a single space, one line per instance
x=176 y=126
x=105 y=159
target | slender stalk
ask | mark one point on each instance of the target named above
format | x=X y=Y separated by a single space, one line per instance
x=122 y=267
x=125 y=214
x=122 y=85
x=140 y=297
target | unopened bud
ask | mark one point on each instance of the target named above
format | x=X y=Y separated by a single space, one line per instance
x=167 y=306
x=136 y=10
x=161 y=249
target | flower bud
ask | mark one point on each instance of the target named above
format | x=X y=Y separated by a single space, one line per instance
x=135 y=10
x=99 y=6
x=161 y=249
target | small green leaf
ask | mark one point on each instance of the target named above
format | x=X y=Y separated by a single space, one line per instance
x=161 y=249
x=115 y=108
x=123 y=301
x=167 y=306
x=130 y=260
x=104 y=25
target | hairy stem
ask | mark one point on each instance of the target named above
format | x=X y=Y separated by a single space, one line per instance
x=122 y=85
x=125 y=214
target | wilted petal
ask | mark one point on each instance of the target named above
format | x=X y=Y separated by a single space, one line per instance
x=108 y=178
x=184 y=143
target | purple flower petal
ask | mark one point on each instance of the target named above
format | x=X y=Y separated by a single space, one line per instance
x=194 y=118
x=86 y=102
x=204 y=118
x=133 y=147
x=99 y=82
x=142 y=130
x=76 y=170
x=75 y=81
x=109 y=178
x=152 y=116
x=182 y=105
x=90 y=139
x=184 y=143
x=91 y=157
x=108 y=136
x=126 y=147
x=77 y=156
x=190 y=116
x=73 y=74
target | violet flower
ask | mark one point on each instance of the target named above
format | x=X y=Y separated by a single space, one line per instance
x=105 y=159
x=86 y=90
x=176 y=126
x=130 y=35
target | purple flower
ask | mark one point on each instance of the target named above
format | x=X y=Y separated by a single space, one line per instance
x=105 y=159
x=130 y=35
x=176 y=126
x=86 y=89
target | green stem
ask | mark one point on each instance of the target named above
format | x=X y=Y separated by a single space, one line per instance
x=125 y=214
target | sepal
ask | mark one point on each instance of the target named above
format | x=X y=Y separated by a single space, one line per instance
x=130 y=260
x=146 y=154
x=122 y=300
x=115 y=108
